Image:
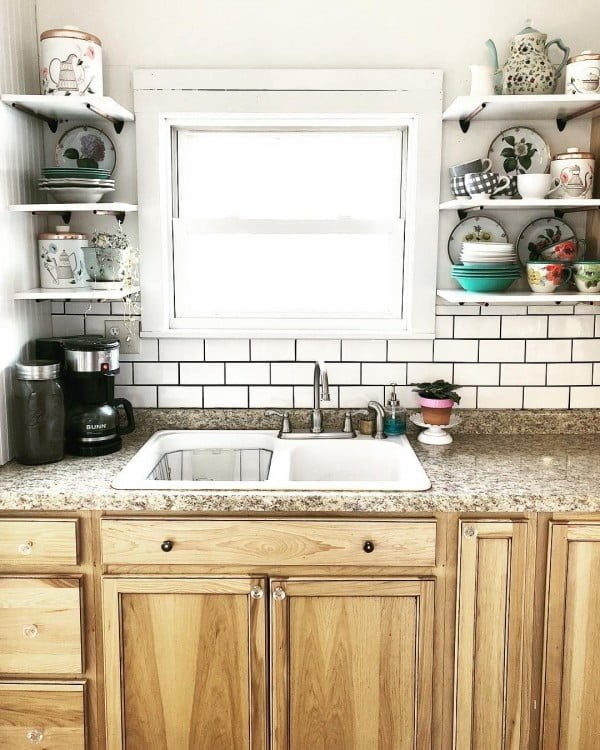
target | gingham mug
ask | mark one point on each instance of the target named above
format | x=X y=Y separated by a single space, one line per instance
x=484 y=185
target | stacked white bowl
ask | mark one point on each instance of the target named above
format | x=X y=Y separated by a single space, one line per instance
x=488 y=253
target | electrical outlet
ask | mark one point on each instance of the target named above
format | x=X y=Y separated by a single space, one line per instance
x=128 y=333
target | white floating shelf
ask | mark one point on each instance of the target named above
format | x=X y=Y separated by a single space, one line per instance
x=55 y=109
x=58 y=208
x=461 y=297
x=471 y=204
x=559 y=107
x=77 y=293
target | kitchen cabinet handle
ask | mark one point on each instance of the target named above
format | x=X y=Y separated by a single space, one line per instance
x=278 y=594
x=469 y=531
x=25 y=548
x=167 y=545
x=35 y=736
x=30 y=631
x=256 y=592
x=368 y=546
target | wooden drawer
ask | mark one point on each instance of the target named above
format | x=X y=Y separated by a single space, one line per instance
x=45 y=716
x=31 y=542
x=394 y=543
x=40 y=626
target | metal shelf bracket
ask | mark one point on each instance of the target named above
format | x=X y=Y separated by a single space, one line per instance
x=560 y=212
x=561 y=122
x=119 y=215
x=51 y=121
x=465 y=122
x=118 y=124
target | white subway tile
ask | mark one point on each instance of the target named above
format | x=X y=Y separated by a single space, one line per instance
x=247 y=373
x=596 y=376
x=409 y=350
x=343 y=373
x=95 y=325
x=263 y=397
x=597 y=328
x=226 y=350
x=181 y=350
x=364 y=350
x=586 y=350
x=457 y=310
x=295 y=373
x=87 y=308
x=125 y=375
x=224 y=397
x=406 y=396
x=501 y=350
x=455 y=350
x=326 y=350
x=67 y=325
x=304 y=397
x=419 y=372
x=477 y=328
x=554 y=310
x=524 y=327
x=548 y=350
x=187 y=397
x=499 y=397
x=155 y=373
x=357 y=397
x=444 y=327
x=468 y=397
x=522 y=374
x=546 y=398
x=585 y=397
x=570 y=373
x=476 y=373
x=57 y=308
x=148 y=352
x=571 y=326
x=381 y=373
x=272 y=350
x=202 y=373
x=585 y=309
x=504 y=310
x=141 y=396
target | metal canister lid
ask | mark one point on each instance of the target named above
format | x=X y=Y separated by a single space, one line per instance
x=585 y=55
x=574 y=153
x=63 y=232
x=71 y=32
x=38 y=369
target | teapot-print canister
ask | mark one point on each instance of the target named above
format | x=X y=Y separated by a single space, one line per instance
x=70 y=62
x=574 y=173
x=61 y=259
x=529 y=69
x=583 y=74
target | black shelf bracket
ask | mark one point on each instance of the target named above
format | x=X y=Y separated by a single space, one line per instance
x=560 y=212
x=64 y=215
x=52 y=122
x=465 y=122
x=119 y=215
x=561 y=122
x=464 y=212
x=118 y=124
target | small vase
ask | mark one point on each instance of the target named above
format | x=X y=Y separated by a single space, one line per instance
x=436 y=410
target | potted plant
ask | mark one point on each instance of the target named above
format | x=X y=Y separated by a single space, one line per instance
x=436 y=400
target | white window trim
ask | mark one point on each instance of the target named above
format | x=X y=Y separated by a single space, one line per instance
x=168 y=98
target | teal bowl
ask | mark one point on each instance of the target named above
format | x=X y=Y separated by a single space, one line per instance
x=472 y=284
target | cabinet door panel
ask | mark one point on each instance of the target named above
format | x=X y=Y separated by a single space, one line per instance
x=352 y=664
x=185 y=663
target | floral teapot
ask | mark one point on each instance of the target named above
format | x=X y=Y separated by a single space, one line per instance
x=528 y=69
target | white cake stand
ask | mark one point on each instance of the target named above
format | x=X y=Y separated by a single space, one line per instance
x=434 y=434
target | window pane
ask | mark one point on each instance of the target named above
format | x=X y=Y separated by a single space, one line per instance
x=324 y=174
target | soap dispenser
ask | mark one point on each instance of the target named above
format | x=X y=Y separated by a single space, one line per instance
x=395 y=416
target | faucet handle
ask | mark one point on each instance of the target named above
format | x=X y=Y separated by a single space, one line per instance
x=348 y=419
x=285 y=417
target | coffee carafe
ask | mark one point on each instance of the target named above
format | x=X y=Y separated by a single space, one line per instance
x=94 y=417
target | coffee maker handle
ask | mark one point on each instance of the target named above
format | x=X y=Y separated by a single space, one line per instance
x=130 y=426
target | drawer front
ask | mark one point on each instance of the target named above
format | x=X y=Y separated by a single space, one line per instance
x=40 y=626
x=31 y=542
x=45 y=716
x=391 y=543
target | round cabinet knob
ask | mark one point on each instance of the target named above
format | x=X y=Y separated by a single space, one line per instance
x=30 y=631
x=278 y=594
x=368 y=546
x=35 y=736
x=256 y=592
x=26 y=548
x=469 y=531
x=167 y=545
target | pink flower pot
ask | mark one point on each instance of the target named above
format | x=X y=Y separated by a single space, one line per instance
x=436 y=410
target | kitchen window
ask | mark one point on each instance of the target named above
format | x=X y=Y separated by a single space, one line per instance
x=288 y=203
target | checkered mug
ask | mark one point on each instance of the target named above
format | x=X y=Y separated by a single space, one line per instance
x=484 y=185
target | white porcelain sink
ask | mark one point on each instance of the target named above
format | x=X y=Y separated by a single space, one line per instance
x=257 y=459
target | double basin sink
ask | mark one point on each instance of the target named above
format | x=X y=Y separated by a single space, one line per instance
x=259 y=460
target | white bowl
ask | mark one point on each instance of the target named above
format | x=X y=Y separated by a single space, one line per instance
x=78 y=194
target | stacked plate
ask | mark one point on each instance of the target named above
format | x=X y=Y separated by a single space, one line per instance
x=77 y=184
x=487 y=266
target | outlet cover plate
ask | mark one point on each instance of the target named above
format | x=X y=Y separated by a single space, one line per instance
x=128 y=333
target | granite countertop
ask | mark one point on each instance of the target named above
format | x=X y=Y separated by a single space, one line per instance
x=477 y=472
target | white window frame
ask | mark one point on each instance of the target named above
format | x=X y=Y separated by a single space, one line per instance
x=165 y=99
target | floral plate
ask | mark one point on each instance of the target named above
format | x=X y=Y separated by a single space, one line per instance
x=85 y=147
x=474 y=229
x=540 y=234
x=517 y=151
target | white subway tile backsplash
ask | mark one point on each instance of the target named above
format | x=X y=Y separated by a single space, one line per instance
x=181 y=350
x=225 y=397
x=57 y=308
x=548 y=350
x=546 y=398
x=524 y=327
x=597 y=327
x=522 y=374
x=357 y=397
x=380 y=373
x=272 y=350
x=186 y=397
x=500 y=398
x=304 y=397
x=586 y=350
x=570 y=373
x=504 y=310
x=141 y=396
x=158 y=373
x=596 y=375
x=202 y=373
x=453 y=310
x=476 y=373
x=294 y=373
x=468 y=397
x=247 y=373
x=87 y=308
x=545 y=310
x=455 y=350
x=419 y=372
x=67 y=325
x=227 y=350
x=501 y=350
x=477 y=328
x=125 y=374
x=326 y=350
x=271 y=396
x=444 y=327
x=409 y=350
x=571 y=326
x=344 y=373
x=148 y=352
x=363 y=350
x=585 y=397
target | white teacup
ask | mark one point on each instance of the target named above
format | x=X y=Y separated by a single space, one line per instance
x=536 y=186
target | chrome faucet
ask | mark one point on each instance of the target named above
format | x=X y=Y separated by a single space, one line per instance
x=379 y=411
x=321 y=393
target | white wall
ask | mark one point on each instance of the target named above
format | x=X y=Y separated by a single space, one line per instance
x=20 y=159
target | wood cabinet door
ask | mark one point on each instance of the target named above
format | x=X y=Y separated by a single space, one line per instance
x=185 y=663
x=571 y=689
x=352 y=664
x=496 y=568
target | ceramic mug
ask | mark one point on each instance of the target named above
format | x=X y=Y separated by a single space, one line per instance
x=484 y=185
x=458 y=187
x=547 y=277
x=587 y=276
x=477 y=165
x=536 y=186
x=561 y=252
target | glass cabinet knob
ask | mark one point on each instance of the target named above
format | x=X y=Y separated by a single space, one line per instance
x=30 y=631
x=35 y=736
x=26 y=548
x=256 y=592
x=469 y=531
x=278 y=594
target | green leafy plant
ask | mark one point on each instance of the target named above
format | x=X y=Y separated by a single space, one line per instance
x=438 y=389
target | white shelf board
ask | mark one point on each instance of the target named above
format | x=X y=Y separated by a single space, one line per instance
x=520 y=204
x=523 y=108
x=78 y=293
x=460 y=296
x=59 y=208
x=69 y=107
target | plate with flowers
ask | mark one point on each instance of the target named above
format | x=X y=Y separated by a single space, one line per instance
x=84 y=147
x=516 y=151
x=474 y=229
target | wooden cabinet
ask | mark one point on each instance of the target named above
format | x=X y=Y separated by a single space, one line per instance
x=352 y=664
x=493 y=635
x=571 y=687
x=185 y=663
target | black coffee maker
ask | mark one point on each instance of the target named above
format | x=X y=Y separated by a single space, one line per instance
x=94 y=424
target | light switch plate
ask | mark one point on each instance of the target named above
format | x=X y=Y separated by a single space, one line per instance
x=128 y=333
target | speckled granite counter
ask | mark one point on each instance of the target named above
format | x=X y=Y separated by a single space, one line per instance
x=478 y=472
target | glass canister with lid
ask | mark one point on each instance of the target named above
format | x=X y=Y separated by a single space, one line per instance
x=39 y=413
